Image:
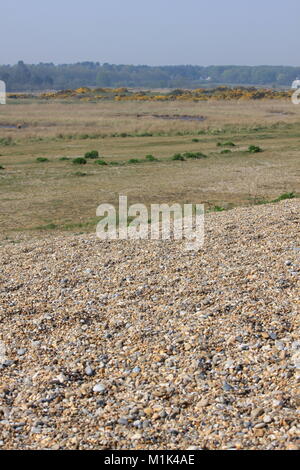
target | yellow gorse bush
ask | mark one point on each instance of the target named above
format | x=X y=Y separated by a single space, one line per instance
x=221 y=93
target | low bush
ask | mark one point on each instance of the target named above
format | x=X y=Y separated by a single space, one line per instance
x=134 y=160
x=93 y=154
x=79 y=161
x=145 y=134
x=218 y=209
x=223 y=152
x=194 y=155
x=226 y=144
x=101 y=162
x=42 y=159
x=285 y=196
x=150 y=158
x=254 y=149
x=178 y=157
x=64 y=159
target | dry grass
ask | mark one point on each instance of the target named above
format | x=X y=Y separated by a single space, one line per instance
x=40 y=194
x=49 y=118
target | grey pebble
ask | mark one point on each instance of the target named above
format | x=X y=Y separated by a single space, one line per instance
x=123 y=421
x=89 y=371
x=36 y=430
x=99 y=388
x=227 y=387
x=273 y=336
x=21 y=352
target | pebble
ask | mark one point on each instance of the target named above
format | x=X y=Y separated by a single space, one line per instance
x=36 y=430
x=267 y=419
x=21 y=352
x=99 y=388
x=61 y=378
x=257 y=412
x=123 y=421
x=227 y=387
x=89 y=371
x=279 y=345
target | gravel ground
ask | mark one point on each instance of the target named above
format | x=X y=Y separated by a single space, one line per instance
x=122 y=345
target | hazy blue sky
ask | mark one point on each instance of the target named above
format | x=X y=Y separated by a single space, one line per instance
x=154 y=32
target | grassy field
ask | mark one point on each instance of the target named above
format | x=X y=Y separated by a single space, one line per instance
x=58 y=195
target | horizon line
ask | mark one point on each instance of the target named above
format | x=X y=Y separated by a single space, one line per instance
x=143 y=65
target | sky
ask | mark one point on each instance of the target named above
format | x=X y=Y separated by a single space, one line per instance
x=152 y=32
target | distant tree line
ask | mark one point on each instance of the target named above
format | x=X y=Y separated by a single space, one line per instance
x=48 y=76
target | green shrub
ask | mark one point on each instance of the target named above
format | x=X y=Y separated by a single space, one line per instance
x=144 y=134
x=187 y=155
x=254 y=149
x=218 y=209
x=194 y=155
x=64 y=159
x=79 y=161
x=150 y=158
x=195 y=140
x=226 y=144
x=178 y=157
x=115 y=163
x=2 y=167
x=93 y=154
x=100 y=162
x=285 y=196
x=225 y=151
x=42 y=159
x=134 y=160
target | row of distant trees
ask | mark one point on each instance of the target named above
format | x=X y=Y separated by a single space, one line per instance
x=45 y=76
